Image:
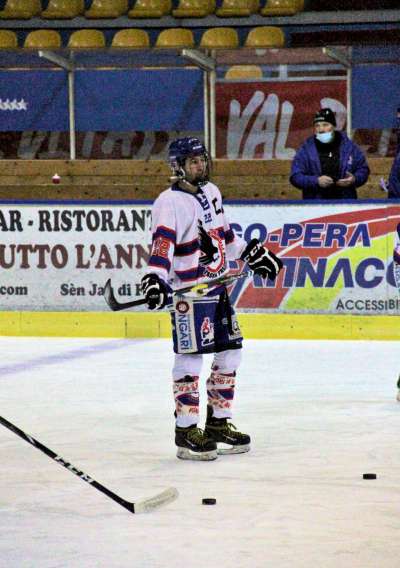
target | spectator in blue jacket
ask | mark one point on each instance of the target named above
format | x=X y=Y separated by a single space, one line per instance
x=392 y=186
x=328 y=165
x=394 y=179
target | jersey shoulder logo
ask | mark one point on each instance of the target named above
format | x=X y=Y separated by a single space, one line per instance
x=213 y=252
x=208 y=248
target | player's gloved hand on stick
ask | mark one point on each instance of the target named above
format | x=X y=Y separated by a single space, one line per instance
x=261 y=260
x=155 y=291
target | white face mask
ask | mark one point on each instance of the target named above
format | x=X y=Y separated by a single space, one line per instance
x=325 y=137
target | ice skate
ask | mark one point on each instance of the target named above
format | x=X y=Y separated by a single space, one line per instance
x=194 y=444
x=227 y=438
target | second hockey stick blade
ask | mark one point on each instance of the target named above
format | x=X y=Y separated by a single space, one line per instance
x=113 y=302
x=116 y=306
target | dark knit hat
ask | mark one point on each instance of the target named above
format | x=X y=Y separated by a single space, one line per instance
x=325 y=115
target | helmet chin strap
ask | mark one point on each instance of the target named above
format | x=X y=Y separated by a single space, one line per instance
x=177 y=175
x=180 y=177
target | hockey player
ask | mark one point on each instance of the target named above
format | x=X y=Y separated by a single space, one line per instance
x=193 y=243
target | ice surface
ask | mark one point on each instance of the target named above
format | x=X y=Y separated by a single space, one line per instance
x=320 y=415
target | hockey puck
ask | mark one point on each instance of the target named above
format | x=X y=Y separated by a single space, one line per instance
x=369 y=475
x=209 y=501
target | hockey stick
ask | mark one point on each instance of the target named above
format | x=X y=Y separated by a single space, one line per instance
x=200 y=289
x=144 y=506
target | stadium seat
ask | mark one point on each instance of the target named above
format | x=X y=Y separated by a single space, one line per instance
x=175 y=37
x=63 y=9
x=215 y=38
x=244 y=72
x=107 y=9
x=83 y=39
x=43 y=39
x=131 y=38
x=265 y=36
x=21 y=9
x=150 y=9
x=194 y=9
x=234 y=8
x=8 y=39
x=282 y=7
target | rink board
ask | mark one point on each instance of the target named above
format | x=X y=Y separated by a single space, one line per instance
x=157 y=325
x=337 y=257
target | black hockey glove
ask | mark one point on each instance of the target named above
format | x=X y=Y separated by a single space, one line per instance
x=261 y=260
x=155 y=290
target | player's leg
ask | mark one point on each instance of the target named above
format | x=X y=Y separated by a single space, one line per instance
x=192 y=443
x=221 y=382
x=220 y=393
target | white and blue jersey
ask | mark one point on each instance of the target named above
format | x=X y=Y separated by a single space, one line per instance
x=193 y=242
x=192 y=239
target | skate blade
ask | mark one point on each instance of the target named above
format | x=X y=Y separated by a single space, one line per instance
x=186 y=454
x=225 y=449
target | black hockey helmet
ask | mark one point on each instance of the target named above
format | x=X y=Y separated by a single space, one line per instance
x=181 y=149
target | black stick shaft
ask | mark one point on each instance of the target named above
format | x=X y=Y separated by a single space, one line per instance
x=67 y=465
x=116 y=306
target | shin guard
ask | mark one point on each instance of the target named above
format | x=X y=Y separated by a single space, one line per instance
x=220 y=393
x=186 y=394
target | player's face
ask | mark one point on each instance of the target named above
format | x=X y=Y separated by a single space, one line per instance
x=323 y=127
x=195 y=168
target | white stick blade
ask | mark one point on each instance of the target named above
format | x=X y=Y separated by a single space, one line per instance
x=148 y=505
